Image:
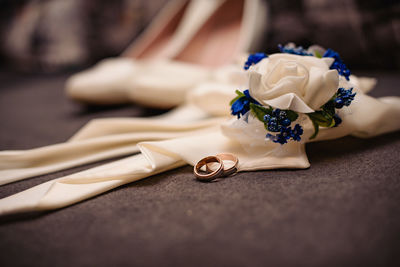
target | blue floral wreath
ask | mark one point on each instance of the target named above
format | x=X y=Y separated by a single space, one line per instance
x=280 y=121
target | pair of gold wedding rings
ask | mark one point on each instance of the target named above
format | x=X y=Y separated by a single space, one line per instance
x=218 y=171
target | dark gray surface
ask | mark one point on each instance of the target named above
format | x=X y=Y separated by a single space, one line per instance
x=343 y=211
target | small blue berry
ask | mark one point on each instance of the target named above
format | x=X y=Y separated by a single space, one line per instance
x=344 y=97
x=276 y=112
x=282 y=115
x=290 y=49
x=339 y=103
x=274 y=126
x=267 y=118
x=338 y=64
x=286 y=122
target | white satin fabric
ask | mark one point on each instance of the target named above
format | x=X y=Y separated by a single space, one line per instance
x=183 y=136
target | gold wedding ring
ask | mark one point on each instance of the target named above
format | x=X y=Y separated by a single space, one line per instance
x=211 y=174
x=208 y=176
x=230 y=157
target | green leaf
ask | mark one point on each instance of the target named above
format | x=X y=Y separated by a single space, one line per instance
x=316 y=130
x=317 y=54
x=292 y=115
x=329 y=108
x=317 y=116
x=331 y=123
x=239 y=95
x=266 y=126
x=260 y=111
x=322 y=118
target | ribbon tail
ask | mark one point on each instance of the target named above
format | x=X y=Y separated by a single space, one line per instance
x=179 y=119
x=18 y=165
x=77 y=187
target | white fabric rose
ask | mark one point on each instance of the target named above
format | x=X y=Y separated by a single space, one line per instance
x=298 y=83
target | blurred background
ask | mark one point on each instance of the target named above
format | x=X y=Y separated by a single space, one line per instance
x=57 y=35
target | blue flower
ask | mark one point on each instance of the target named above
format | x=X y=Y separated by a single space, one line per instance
x=334 y=54
x=338 y=64
x=286 y=132
x=254 y=59
x=277 y=138
x=283 y=136
x=291 y=49
x=343 y=97
x=242 y=105
x=297 y=132
x=252 y=100
x=280 y=139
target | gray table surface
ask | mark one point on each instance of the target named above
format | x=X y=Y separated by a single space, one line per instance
x=342 y=211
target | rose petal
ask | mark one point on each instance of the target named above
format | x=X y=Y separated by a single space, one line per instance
x=287 y=71
x=285 y=77
x=254 y=83
x=322 y=86
x=289 y=101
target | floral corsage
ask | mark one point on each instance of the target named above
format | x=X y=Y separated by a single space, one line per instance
x=296 y=81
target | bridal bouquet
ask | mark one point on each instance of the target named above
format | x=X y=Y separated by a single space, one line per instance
x=286 y=87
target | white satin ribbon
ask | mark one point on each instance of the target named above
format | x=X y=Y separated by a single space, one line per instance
x=102 y=139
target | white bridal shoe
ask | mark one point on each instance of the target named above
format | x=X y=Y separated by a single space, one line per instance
x=106 y=82
x=233 y=29
x=181 y=49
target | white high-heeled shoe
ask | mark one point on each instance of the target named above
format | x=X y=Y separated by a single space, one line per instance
x=211 y=33
x=173 y=27
x=234 y=28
